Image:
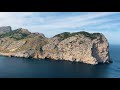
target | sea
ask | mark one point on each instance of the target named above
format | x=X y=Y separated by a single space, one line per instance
x=12 y=67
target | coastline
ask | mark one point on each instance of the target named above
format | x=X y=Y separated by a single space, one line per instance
x=12 y=55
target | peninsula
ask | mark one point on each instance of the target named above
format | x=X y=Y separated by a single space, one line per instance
x=90 y=48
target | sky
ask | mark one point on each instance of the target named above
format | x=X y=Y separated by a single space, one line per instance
x=52 y=23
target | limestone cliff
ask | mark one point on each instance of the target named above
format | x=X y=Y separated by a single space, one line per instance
x=5 y=29
x=80 y=47
x=90 y=48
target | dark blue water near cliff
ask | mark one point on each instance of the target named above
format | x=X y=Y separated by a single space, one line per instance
x=31 y=68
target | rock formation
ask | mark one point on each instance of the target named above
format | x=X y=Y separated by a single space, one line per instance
x=5 y=29
x=90 y=48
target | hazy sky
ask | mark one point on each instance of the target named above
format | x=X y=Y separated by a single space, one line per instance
x=51 y=23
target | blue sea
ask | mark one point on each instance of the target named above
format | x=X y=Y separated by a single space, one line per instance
x=12 y=67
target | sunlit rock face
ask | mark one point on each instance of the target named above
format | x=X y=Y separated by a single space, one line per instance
x=90 y=48
x=80 y=47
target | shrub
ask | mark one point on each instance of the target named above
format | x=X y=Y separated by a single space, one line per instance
x=67 y=34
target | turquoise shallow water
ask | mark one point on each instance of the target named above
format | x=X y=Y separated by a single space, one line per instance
x=12 y=67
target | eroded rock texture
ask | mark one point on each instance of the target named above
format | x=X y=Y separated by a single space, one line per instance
x=90 y=48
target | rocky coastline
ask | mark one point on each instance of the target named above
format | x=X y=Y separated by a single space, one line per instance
x=89 y=48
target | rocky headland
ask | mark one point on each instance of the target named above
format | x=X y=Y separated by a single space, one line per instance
x=90 y=48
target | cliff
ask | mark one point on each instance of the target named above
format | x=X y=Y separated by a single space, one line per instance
x=90 y=48
x=5 y=29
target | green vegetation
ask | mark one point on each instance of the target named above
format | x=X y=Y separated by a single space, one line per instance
x=89 y=35
x=35 y=43
x=67 y=34
x=14 y=34
x=32 y=41
x=63 y=35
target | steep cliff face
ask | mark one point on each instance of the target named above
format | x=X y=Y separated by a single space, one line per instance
x=79 y=47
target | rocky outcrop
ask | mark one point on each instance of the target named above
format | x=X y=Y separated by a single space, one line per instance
x=90 y=48
x=79 y=48
x=5 y=29
x=26 y=53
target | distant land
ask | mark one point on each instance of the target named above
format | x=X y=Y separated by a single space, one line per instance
x=89 y=48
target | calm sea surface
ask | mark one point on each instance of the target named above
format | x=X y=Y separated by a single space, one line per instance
x=31 y=68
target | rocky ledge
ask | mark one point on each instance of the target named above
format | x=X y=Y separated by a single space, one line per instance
x=90 y=48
